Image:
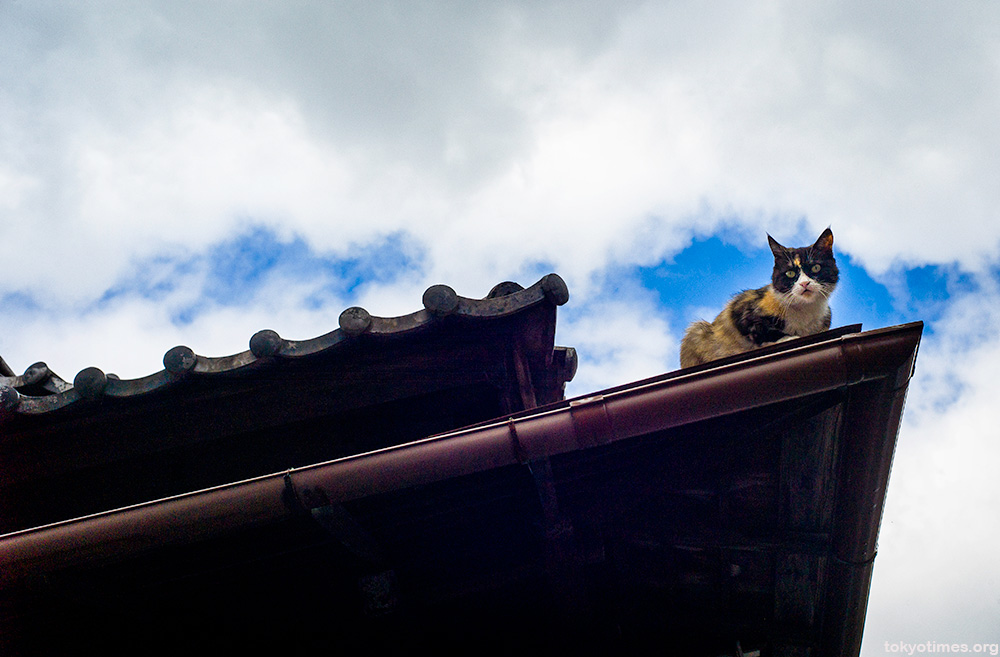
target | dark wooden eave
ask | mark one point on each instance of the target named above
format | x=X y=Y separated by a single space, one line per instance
x=739 y=501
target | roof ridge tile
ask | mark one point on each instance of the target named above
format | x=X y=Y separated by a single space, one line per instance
x=439 y=301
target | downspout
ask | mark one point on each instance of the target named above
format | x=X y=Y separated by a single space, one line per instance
x=864 y=462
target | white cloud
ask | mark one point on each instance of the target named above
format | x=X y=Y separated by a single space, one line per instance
x=129 y=333
x=620 y=337
x=500 y=136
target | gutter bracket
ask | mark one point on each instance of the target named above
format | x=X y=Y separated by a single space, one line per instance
x=290 y=496
x=515 y=443
x=591 y=422
x=867 y=561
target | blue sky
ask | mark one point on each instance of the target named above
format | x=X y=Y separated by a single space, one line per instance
x=190 y=173
x=709 y=271
x=234 y=272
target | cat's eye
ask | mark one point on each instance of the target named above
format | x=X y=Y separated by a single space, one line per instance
x=815 y=268
x=790 y=273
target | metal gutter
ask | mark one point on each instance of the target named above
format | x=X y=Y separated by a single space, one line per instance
x=885 y=356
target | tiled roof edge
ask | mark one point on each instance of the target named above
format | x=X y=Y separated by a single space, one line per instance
x=439 y=301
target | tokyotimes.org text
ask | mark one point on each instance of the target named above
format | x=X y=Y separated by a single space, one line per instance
x=935 y=648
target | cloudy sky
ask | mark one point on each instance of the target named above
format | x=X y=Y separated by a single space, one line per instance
x=189 y=173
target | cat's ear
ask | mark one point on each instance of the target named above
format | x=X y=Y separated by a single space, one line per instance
x=776 y=248
x=825 y=241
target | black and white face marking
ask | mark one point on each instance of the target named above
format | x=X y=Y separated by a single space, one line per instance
x=804 y=275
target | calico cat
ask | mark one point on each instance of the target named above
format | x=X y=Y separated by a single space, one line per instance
x=793 y=305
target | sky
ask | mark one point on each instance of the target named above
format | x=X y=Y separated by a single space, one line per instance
x=177 y=172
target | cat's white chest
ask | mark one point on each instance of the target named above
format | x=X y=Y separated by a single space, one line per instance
x=806 y=319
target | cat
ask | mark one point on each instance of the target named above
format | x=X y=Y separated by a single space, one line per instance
x=793 y=305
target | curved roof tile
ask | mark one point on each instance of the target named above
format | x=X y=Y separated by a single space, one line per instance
x=39 y=390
